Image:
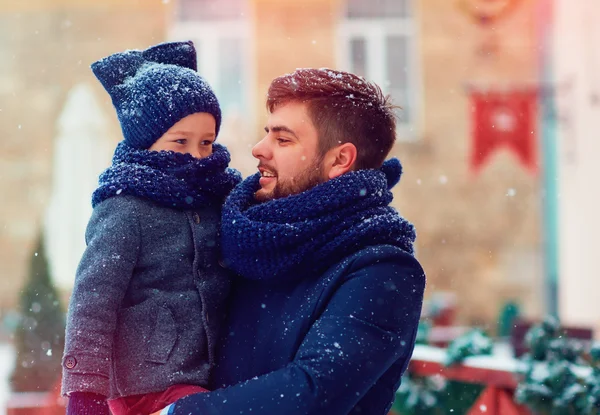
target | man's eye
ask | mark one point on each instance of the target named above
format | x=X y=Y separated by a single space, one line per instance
x=282 y=140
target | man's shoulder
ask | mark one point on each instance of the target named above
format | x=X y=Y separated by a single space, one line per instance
x=380 y=253
x=378 y=256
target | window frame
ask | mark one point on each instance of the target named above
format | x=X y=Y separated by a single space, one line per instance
x=206 y=35
x=180 y=15
x=375 y=31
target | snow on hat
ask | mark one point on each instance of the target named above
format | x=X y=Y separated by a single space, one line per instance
x=155 y=88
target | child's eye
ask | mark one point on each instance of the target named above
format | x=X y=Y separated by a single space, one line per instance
x=206 y=142
x=181 y=141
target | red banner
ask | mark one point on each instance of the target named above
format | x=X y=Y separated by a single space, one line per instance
x=504 y=119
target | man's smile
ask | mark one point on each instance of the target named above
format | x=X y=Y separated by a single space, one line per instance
x=267 y=176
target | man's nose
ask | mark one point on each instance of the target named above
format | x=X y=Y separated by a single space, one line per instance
x=260 y=149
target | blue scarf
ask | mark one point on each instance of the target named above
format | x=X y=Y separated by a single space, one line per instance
x=170 y=179
x=311 y=231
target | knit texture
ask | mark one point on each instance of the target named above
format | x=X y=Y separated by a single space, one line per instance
x=310 y=231
x=170 y=179
x=154 y=89
x=83 y=403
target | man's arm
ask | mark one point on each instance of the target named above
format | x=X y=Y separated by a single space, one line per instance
x=369 y=324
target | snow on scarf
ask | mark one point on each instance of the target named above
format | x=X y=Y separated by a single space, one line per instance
x=313 y=230
x=173 y=180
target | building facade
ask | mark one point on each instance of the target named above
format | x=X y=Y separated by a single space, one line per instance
x=479 y=235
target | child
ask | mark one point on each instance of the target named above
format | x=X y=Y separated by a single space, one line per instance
x=148 y=296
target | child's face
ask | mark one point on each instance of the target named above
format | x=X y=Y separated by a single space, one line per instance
x=192 y=135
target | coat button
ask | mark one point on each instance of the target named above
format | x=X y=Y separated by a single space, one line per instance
x=196 y=218
x=70 y=362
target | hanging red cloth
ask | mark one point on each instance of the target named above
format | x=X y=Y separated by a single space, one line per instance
x=504 y=119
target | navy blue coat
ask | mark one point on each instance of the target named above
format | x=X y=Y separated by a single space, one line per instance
x=335 y=343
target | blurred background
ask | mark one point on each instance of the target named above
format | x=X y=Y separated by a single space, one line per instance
x=497 y=136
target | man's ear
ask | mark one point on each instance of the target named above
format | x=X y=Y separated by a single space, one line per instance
x=340 y=160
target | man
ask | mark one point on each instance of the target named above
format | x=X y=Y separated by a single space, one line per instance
x=324 y=314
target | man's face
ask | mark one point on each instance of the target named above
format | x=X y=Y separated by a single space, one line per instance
x=289 y=160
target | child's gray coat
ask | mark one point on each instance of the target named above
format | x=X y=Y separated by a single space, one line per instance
x=153 y=289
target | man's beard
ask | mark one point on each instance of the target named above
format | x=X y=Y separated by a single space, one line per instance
x=307 y=179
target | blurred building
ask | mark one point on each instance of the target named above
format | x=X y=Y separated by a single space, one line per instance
x=46 y=47
x=576 y=64
x=479 y=234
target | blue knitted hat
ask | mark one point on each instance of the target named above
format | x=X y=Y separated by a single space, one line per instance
x=155 y=88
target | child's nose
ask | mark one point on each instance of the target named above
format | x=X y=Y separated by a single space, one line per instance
x=196 y=153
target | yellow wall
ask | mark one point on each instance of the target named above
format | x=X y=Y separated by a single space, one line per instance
x=46 y=47
x=289 y=35
x=473 y=239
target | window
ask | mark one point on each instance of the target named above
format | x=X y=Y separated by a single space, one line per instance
x=378 y=9
x=378 y=41
x=209 y=10
x=230 y=66
x=222 y=36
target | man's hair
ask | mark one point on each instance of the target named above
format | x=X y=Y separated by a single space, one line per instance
x=344 y=108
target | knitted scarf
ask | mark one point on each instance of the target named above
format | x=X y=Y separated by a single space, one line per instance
x=311 y=231
x=170 y=179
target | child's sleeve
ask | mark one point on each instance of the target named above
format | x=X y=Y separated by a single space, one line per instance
x=103 y=275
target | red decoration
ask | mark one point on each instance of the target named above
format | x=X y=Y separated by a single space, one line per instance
x=38 y=403
x=487 y=12
x=496 y=401
x=504 y=119
x=496 y=398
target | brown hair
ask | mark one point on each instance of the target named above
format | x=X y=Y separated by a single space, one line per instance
x=344 y=108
